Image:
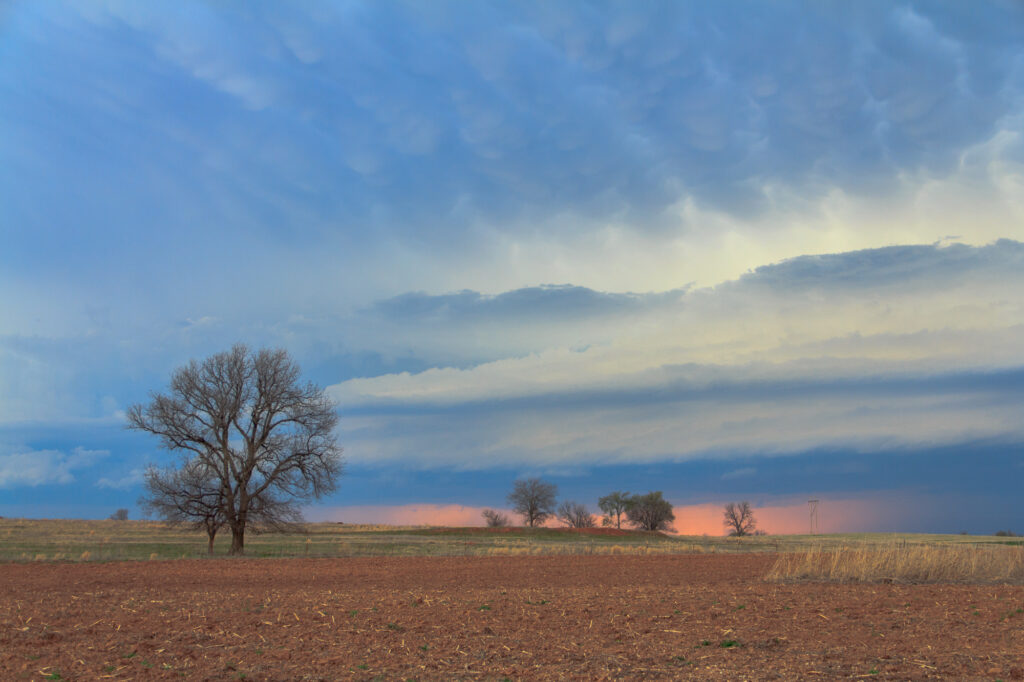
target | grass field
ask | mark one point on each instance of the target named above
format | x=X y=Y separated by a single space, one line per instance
x=904 y=563
x=82 y=540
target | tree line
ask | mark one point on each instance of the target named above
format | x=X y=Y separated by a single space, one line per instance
x=535 y=500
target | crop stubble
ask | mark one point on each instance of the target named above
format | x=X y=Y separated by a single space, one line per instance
x=578 y=617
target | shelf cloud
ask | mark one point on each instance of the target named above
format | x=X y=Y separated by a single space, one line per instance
x=519 y=238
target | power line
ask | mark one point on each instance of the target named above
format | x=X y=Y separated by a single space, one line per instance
x=813 y=505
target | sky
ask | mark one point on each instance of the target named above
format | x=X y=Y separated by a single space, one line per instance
x=729 y=251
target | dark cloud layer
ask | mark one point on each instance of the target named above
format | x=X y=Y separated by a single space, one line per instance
x=857 y=271
x=534 y=303
x=702 y=384
x=850 y=273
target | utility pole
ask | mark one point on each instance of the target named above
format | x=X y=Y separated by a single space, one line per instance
x=813 y=505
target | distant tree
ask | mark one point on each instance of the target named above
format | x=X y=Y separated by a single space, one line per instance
x=192 y=496
x=533 y=499
x=268 y=438
x=650 y=512
x=614 y=505
x=494 y=519
x=575 y=515
x=1005 y=534
x=119 y=515
x=739 y=519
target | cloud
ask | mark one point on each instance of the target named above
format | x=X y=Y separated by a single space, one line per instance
x=538 y=130
x=27 y=467
x=890 y=347
x=744 y=472
x=129 y=480
x=384 y=189
x=385 y=165
x=651 y=426
x=796 y=354
x=833 y=315
x=906 y=267
x=527 y=304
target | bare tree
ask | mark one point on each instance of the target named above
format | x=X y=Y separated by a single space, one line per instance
x=191 y=496
x=614 y=506
x=119 y=515
x=575 y=515
x=533 y=499
x=739 y=519
x=650 y=512
x=267 y=438
x=494 y=519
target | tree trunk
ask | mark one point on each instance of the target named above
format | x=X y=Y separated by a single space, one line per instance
x=237 y=539
x=212 y=534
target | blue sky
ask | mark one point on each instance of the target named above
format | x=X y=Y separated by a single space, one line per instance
x=724 y=250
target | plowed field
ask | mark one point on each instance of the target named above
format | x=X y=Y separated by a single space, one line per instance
x=545 y=617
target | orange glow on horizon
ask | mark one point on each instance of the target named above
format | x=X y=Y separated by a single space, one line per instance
x=706 y=519
x=834 y=516
x=455 y=515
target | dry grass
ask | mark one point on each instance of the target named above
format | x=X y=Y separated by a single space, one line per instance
x=338 y=528
x=105 y=540
x=904 y=563
x=523 y=549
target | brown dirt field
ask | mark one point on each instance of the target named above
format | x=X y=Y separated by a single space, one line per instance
x=530 y=617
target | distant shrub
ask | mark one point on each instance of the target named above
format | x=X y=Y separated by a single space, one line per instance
x=119 y=515
x=1005 y=534
x=575 y=515
x=494 y=519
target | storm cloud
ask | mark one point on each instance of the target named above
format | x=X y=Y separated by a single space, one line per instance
x=524 y=237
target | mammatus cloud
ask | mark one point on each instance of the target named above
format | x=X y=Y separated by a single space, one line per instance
x=533 y=110
x=342 y=151
x=27 y=467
